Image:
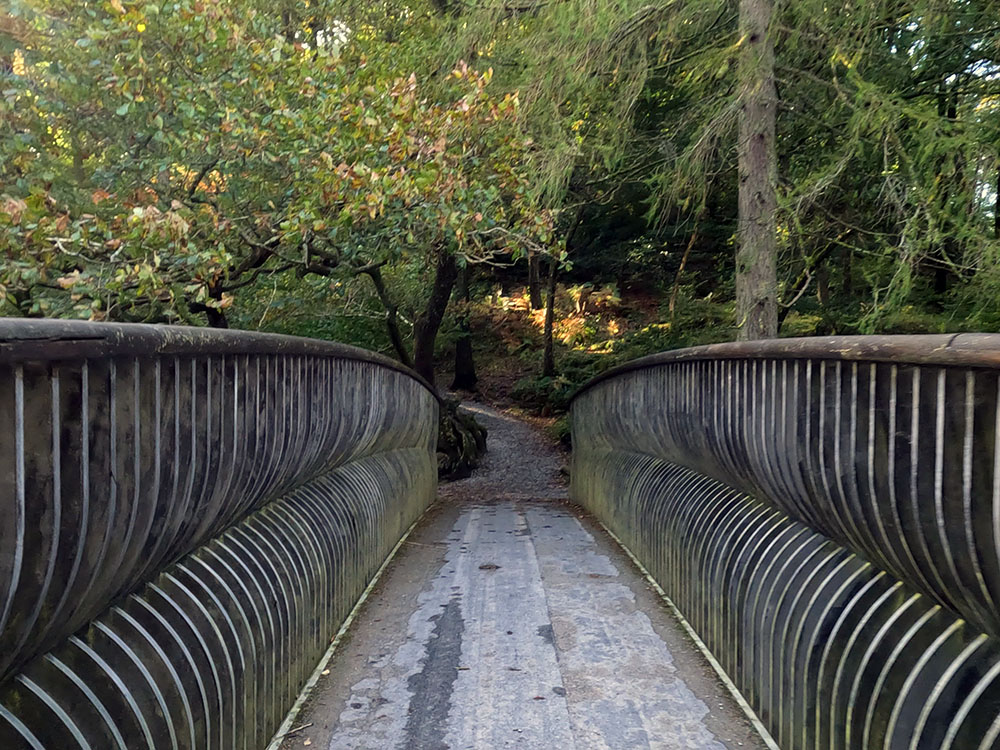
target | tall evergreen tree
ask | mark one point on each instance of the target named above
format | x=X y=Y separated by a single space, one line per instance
x=756 y=259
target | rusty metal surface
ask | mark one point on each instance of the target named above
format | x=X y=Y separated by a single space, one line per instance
x=830 y=525
x=186 y=517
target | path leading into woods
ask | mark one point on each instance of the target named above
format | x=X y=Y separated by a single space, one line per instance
x=510 y=620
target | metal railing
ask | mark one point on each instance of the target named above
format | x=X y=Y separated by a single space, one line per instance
x=186 y=517
x=826 y=515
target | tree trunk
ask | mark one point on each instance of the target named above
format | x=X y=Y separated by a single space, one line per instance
x=391 y=316
x=79 y=159
x=996 y=209
x=534 y=282
x=822 y=285
x=756 y=259
x=425 y=327
x=288 y=24
x=548 y=353
x=215 y=317
x=847 y=279
x=672 y=305
x=945 y=256
x=465 y=366
x=583 y=297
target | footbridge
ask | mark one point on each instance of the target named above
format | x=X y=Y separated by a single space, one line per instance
x=789 y=544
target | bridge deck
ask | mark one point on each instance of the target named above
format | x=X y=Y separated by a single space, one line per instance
x=511 y=621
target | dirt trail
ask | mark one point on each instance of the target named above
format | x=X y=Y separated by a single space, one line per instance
x=520 y=463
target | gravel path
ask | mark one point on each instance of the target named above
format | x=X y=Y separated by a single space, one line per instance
x=510 y=620
x=519 y=463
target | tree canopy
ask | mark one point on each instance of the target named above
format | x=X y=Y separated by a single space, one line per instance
x=158 y=157
x=181 y=161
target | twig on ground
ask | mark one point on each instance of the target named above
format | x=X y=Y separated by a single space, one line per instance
x=290 y=732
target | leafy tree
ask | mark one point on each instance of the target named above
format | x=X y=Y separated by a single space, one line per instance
x=160 y=158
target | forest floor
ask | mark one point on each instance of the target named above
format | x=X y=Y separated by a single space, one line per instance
x=510 y=619
x=508 y=340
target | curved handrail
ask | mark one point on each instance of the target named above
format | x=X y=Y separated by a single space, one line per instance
x=956 y=349
x=23 y=339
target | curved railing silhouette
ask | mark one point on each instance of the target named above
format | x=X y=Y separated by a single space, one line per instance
x=826 y=515
x=187 y=517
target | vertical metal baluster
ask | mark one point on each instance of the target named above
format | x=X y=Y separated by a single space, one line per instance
x=17 y=553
